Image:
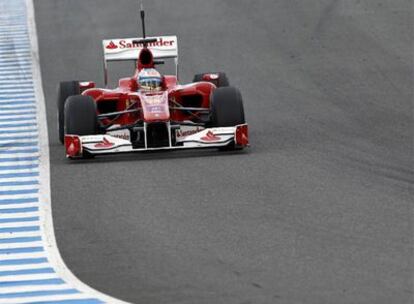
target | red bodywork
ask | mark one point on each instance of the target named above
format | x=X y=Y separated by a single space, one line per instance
x=153 y=106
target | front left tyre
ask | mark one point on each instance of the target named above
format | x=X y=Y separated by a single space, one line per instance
x=80 y=116
x=66 y=89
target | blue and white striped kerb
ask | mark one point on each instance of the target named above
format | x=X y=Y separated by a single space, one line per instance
x=30 y=267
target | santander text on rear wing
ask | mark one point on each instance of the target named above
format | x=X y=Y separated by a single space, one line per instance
x=129 y=48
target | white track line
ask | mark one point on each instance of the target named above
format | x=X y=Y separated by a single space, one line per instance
x=24 y=267
x=7 y=235
x=30 y=255
x=35 y=288
x=21 y=245
x=47 y=299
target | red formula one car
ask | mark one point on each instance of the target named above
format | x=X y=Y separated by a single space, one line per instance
x=149 y=111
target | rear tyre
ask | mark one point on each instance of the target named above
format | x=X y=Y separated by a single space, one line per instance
x=66 y=89
x=226 y=110
x=80 y=115
x=221 y=81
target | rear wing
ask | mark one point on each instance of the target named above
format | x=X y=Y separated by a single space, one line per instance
x=129 y=48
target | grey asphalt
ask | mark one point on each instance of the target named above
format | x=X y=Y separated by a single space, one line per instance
x=319 y=210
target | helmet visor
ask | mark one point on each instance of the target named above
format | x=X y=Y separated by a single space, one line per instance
x=150 y=83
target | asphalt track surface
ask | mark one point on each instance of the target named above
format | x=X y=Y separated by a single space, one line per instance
x=319 y=210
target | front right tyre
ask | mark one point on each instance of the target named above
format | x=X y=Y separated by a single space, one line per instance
x=226 y=110
x=226 y=107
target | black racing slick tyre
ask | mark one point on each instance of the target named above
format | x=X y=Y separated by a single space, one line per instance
x=226 y=107
x=66 y=89
x=80 y=116
x=221 y=81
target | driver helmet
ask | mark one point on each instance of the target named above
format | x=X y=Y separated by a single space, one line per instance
x=149 y=80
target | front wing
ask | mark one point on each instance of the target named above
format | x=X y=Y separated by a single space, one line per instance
x=80 y=146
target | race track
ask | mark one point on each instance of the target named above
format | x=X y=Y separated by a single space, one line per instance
x=318 y=210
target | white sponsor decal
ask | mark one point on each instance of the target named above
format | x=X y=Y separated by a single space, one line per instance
x=122 y=134
x=152 y=100
x=187 y=131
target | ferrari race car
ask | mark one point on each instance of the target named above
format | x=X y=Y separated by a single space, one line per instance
x=149 y=111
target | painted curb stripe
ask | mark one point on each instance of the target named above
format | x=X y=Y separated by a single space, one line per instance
x=19 y=210
x=23 y=261
x=31 y=269
x=26 y=272
x=20 y=240
x=18 y=220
